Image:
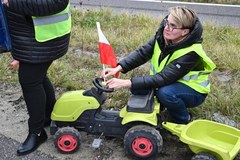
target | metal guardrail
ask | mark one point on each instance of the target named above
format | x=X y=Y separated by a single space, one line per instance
x=212 y=12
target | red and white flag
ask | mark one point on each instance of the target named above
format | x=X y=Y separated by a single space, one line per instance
x=107 y=55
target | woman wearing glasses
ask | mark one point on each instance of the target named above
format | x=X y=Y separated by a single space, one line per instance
x=179 y=69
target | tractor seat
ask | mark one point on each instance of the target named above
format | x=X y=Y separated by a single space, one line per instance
x=141 y=103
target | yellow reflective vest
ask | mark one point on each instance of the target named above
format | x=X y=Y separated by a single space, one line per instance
x=53 y=26
x=198 y=80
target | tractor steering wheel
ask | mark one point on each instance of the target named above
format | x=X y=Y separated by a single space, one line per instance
x=98 y=83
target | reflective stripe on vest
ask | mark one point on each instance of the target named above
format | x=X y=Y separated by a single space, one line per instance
x=53 y=26
x=198 y=80
x=189 y=77
x=196 y=77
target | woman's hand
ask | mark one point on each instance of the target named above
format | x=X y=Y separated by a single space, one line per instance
x=119 y=83
x=110 y=71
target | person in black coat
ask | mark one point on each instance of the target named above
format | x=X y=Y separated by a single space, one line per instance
x=34 y=60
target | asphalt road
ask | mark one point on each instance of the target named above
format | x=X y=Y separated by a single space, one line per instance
x=8 y=151
x=217 y=14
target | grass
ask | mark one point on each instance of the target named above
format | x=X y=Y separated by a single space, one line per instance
x=126 y=33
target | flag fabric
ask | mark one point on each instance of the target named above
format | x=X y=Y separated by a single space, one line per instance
x=107 y=55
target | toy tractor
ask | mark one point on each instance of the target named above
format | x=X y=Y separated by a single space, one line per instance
x=137 y=123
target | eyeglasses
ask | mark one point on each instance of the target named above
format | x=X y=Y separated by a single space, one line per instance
x=171 y=26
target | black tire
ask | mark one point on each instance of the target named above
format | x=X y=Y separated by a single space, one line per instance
x=67 y=140
x=142 y=142
x=204 y=156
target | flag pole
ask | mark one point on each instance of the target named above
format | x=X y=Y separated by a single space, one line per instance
x=104 y=73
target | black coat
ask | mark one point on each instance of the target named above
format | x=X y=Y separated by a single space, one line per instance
x=171 y=73
x=24 y=46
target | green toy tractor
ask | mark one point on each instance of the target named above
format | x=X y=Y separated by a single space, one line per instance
x=80 y=111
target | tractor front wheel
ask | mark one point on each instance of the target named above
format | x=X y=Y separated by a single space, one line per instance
x=67 y=139
x=143 y=142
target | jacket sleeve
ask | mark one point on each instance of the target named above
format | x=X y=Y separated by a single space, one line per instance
x=170 y=74
x=37 y=7
x=138 y=57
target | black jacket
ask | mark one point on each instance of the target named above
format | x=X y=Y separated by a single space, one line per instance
x=171 y=73
x=24 y=46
